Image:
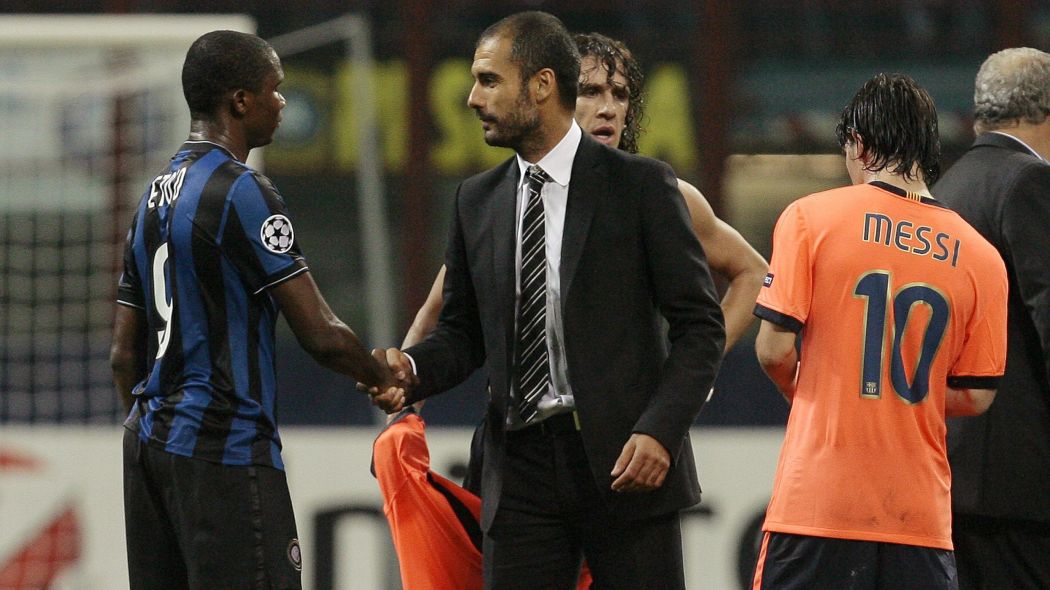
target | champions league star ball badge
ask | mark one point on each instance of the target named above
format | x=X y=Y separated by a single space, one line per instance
x=276 y=234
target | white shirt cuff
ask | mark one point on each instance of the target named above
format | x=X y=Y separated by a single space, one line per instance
x=413 y=361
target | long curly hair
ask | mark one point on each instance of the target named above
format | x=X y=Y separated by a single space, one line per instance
x=614 y=55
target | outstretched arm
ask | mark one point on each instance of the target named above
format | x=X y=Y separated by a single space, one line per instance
x=729 y=255
x=427 y=316
x=331 y=342
x=426 y=319
x=455 y=347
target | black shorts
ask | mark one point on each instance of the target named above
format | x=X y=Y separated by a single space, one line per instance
x=192 y=524
x=798 y=562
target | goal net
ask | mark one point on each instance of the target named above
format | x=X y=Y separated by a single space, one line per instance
x=91 y=108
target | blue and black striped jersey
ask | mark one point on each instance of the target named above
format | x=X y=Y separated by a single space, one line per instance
x=209 y=237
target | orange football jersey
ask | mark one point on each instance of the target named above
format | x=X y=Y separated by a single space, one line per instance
x=433 y=521
x=433 y=545
x=896 y=298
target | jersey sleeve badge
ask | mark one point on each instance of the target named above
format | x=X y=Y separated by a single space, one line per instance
x=277 y=234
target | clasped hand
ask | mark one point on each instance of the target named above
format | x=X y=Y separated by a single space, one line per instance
x=390 y=396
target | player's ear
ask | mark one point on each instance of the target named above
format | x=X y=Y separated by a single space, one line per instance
x=855 y=147
x=543 y=84
x=239 y=102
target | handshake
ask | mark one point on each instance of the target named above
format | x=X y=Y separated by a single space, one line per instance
x=396 y=382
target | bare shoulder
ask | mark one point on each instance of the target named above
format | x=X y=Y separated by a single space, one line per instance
x=699 y=209
x=688 y=189
x=691 y=194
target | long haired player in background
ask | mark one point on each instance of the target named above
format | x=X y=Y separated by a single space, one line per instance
x=211 y=257
x=902 y=310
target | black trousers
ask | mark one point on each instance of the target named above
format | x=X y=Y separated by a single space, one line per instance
x=551 y=514
x=994 y=553
x=192 y=524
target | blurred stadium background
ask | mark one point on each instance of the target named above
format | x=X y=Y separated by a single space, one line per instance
x=742 y=101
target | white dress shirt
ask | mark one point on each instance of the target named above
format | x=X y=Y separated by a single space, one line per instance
x=558 y=165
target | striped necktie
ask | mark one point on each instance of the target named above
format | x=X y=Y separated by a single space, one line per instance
x=534 y=375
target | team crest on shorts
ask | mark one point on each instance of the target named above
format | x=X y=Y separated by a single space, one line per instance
x=276 y=234
x=295 y=555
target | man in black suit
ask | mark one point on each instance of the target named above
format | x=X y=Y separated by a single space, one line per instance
x=560 y=263
x=1001 y=461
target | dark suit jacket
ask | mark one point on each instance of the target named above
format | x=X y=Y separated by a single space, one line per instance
x=1001 y=460
x=628 y=256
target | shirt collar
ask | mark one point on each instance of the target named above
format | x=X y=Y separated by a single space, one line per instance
x=558 y=162
x=203 y=145
x=1026 y=146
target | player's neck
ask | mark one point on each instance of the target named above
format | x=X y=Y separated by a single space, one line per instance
x=203 y=130
x=915 y=184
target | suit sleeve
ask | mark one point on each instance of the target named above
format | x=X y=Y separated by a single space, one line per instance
x=1024 y=218
x=683 y=290
x=455 y=348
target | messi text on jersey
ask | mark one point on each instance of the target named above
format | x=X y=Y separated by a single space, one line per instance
x=921 y=240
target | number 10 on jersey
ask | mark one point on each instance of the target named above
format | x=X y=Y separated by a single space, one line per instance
x=874 y=287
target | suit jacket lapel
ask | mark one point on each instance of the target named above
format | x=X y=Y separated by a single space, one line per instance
x=504 y=235
x=585 y=186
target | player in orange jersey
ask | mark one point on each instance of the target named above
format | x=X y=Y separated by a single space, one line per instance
x=901 y=306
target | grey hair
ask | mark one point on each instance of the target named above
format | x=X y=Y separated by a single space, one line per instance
x=1012 y=86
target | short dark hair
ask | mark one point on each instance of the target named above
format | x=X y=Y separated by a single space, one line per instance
x=613 y=55
x=540 y=40
x=221 y=61
x=897 y=121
